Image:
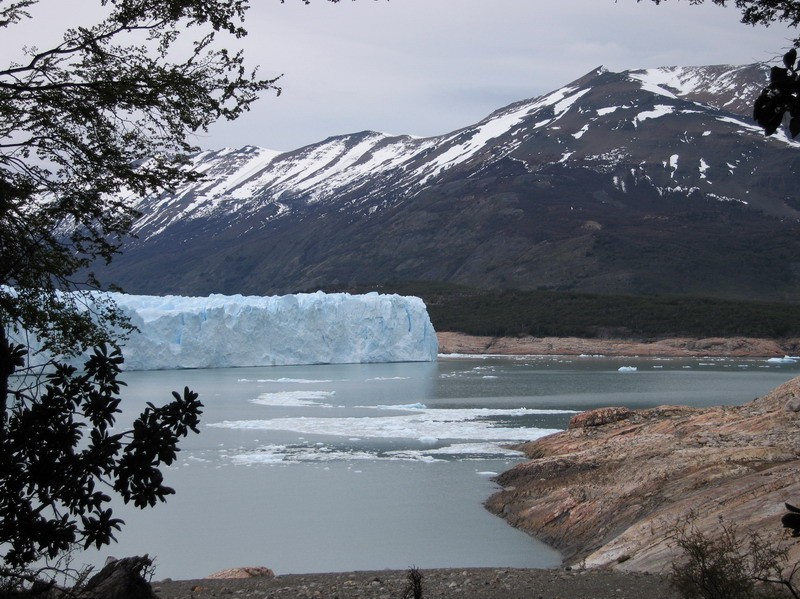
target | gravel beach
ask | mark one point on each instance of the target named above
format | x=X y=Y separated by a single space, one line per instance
x=474 y=583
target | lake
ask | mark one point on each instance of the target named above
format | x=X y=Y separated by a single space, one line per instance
x=372 y=466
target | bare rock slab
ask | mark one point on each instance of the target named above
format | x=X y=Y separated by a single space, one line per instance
x=607 y=491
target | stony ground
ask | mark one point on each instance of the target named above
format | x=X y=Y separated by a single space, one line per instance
x=474 y=583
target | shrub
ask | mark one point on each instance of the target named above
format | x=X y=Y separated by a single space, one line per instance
x=730 y=565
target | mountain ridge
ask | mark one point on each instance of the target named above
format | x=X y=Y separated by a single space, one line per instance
x=577 y=189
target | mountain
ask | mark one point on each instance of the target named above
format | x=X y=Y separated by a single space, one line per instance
x=641 y=182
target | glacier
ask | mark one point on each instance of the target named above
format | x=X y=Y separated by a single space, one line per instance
x=219 y=331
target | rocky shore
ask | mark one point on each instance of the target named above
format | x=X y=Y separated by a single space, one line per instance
x=459 y=343
x=608 y=491
x=475 y=583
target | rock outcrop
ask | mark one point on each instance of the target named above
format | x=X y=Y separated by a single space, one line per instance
x=608 y=491
x=243 y=572
x=124 y=578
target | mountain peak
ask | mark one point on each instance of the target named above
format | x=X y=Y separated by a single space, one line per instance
x=727 y=87
x=643 y=181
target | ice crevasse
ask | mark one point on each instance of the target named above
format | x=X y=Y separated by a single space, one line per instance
x=221 y=331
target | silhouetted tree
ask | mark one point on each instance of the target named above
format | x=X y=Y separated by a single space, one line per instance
x=86 y=126
x=781 y=96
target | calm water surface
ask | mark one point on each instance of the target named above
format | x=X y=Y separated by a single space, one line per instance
x=354 y=467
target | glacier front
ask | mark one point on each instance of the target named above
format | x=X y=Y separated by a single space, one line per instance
x=309 y=328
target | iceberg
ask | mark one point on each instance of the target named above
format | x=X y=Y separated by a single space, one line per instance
x=309 y=328
x=783 y=360
x=220 y=331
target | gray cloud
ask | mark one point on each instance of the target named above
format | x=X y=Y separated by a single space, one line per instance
x=425 y=67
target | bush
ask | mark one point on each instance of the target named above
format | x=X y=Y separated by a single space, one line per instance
x=413 y=588
x=730 y=566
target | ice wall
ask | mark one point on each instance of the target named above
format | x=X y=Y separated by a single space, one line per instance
x=226 y=331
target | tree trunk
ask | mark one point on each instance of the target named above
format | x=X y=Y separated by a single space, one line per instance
x=6 y=370
x=121 y=579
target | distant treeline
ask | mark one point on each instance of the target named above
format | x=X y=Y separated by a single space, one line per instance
x=566 y=314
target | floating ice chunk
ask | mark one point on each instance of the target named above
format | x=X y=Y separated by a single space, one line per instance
x=285 y=380
x=321 y=453
x=295 y=399
x=427 y=424
x=783 y=360
x=408 y=406
x=627 y=369
x=466 y=450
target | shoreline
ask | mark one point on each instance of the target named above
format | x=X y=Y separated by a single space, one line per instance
x=600 y=581
x=476 y=583
x=686 y=347
x=581 y=492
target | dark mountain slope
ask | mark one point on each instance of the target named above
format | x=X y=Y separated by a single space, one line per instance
x=642 y=182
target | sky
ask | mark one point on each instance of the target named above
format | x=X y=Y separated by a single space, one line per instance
x=428 y=67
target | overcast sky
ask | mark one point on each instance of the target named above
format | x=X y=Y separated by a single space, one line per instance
x=426 y=67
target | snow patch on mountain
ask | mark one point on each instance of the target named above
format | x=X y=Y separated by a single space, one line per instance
x=673 y=165
x=249 y=188
x=703 y=168
x=497 y=125
x=668 y=81
x=652 y=85
x=580 y=133
x=659 y=110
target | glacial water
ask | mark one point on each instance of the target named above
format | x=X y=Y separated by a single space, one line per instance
x=373 y=466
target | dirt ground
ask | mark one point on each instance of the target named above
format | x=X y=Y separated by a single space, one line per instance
x=472 y=583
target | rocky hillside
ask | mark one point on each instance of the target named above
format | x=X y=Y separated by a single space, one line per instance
x=639 y=182
x=607 y=491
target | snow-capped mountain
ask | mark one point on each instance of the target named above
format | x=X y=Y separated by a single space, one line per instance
x=649 y=181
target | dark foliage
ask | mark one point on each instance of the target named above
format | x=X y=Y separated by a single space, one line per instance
x=60 y=455
x=413 y=588
x=780 y=97
x=86 y=126
x=792 y=520
x=566 y=314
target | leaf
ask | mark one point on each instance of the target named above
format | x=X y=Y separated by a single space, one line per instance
x=794 y=126
x=789 y=58
x=779 y=78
